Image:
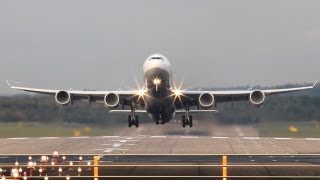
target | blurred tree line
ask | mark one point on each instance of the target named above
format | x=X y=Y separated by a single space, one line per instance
x=25 y=108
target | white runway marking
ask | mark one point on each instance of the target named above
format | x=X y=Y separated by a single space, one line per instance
x=110 y=136
x=108 y=150
x=116 y=145
x=106 y=144
x=282 y=138
x=251 y=137
x=97 y=149
x=123 y=141
x=80 y=137
x=220 y=137
x=122 y=149
x=158 y=136
x=22 y=138
x=48 y=138
x=195 y=137
x=312 y=139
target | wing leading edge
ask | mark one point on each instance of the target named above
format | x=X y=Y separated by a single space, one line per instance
x=84 y=95
x=236 y=95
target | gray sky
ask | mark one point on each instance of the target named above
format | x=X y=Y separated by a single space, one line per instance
x=103 y=44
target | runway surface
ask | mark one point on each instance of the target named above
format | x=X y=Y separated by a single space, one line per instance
x=186 y=152
x=143 y=144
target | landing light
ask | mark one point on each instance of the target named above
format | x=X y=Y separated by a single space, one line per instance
x=157 y=81
x=141 y=92
x=177 y=92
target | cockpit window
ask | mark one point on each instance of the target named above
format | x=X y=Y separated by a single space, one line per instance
x=156 y=58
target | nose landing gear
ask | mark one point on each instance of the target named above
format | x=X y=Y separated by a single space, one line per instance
x=160 y=120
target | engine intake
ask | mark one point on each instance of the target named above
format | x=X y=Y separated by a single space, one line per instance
x=257 y=98
x=206 y=100
x=111 y=100
x=63 y=98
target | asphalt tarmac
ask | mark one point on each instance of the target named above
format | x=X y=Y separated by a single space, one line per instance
x=189 y=156
x=143 y=144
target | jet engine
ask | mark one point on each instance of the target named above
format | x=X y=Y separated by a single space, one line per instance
x=63 y=98
x=111 y=100
x=206 y=100
x=257 y=98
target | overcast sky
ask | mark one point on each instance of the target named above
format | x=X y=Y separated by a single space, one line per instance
x=102 y=45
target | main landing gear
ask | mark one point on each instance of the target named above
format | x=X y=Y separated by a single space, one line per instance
x=133 y=119
x=187 y=119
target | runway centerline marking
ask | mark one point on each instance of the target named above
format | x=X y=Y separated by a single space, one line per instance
x=22 y=138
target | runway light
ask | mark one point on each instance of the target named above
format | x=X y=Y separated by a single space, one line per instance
x=67 y=177
x=16 y=163
x=46 y=177
x=79 y=171
x=55 y=153
x=80 y=158
x=3 y=178
x=60 y=171
x=25 y=177
x=40 y=171
x=44 y=158
x=89 y=164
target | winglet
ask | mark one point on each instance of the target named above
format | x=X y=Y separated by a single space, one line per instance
x=8 y=82
x=315 y=83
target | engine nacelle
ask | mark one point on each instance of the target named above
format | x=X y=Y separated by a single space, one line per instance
x=206 y=100
x=111 y=100
x=63 y=98
x=257 y=98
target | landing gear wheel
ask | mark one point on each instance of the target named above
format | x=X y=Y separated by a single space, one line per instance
x=162 y=122
x=129 y=121
x=190 y=121
x=137 y=121
x=183 y=121
x=157 y=122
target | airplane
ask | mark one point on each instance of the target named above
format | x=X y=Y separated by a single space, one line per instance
x=160 y=97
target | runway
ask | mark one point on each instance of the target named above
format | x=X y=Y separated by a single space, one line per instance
x=193 y=156
x=144 y=144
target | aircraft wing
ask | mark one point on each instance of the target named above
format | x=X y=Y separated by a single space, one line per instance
x=192 y=97
x=126 y=97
